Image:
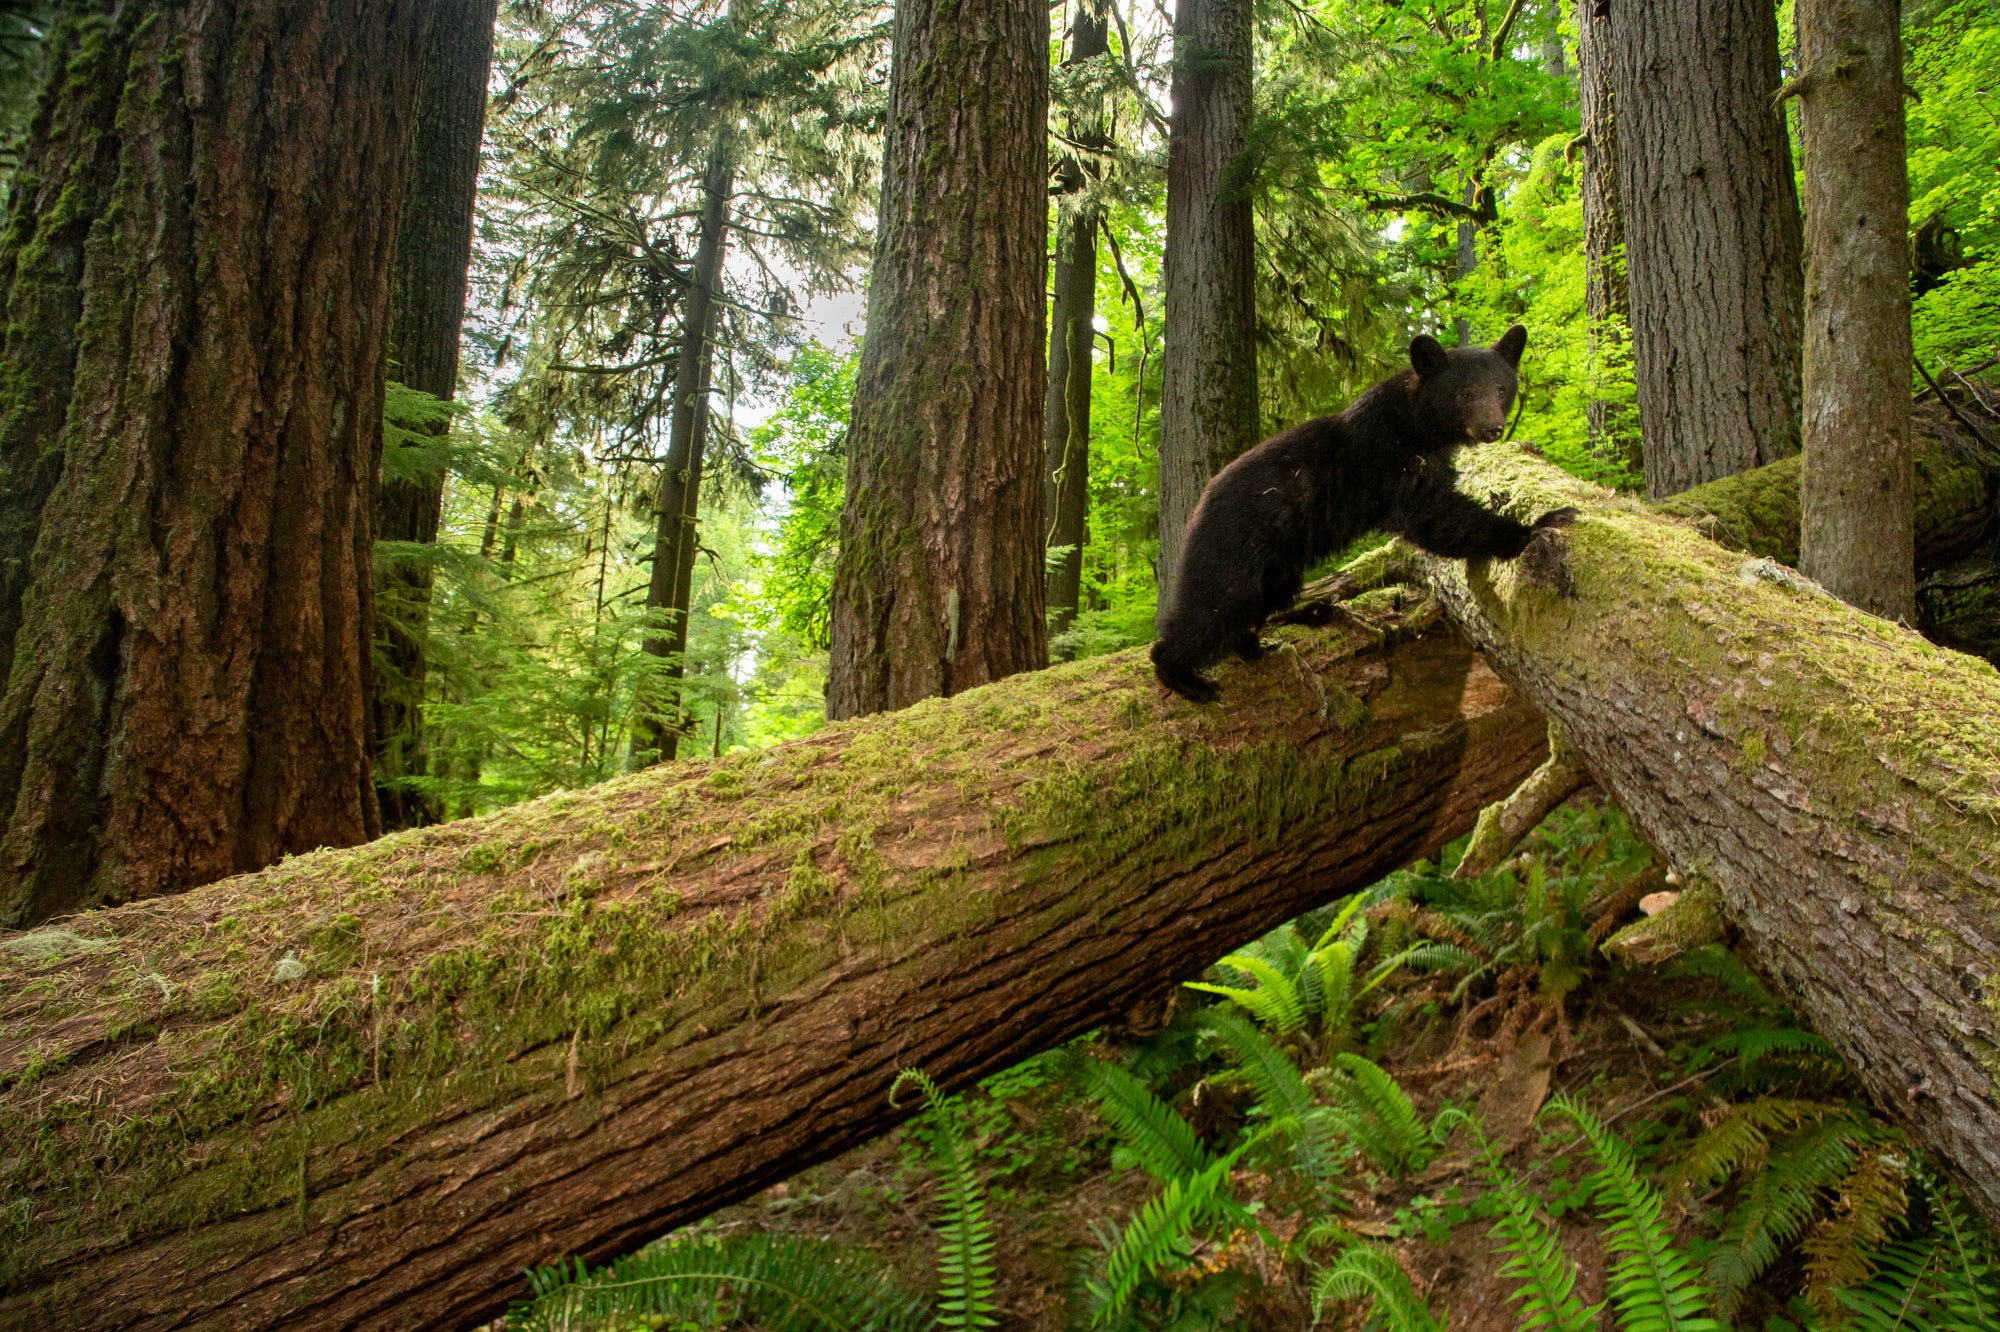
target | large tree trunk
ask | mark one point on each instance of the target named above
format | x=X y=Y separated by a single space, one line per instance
x=426 y=313
x=1857 y=535
x=939 y=582
x=1711 y=236
x=1837 y=776
x=373 y=1086
x=676 y=541
x=197 y=288
x=1072 y=336
x=1606 y=299
x=1208 y=370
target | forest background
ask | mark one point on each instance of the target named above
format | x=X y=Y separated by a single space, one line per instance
x=1372 y=120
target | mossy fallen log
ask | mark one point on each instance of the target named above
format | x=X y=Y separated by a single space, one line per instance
x=370 y=1087
x=1836 y=776
x=1957 y=520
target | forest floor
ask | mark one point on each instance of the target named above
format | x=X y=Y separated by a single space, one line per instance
x=1637 y=1045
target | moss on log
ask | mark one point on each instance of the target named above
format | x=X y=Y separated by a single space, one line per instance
x=371 y=1086
x=1758 y=510
x=1836 y=776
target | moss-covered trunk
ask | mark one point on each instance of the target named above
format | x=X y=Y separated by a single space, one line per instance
x=427 y=312
x=939 y=584
x=372 y=1086
x=196 y=275
x=1837 y=776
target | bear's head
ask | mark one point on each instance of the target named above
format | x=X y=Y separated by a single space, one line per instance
x=1463 y=395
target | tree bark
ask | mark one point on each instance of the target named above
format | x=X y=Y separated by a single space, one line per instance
x=1072 y=337
x=1606 y=299
x=677 y=541
x=1834 y=774
x=1208 y=369
x=1857 y=533
x=1712 y=238
x=370 y=1087
x=197 y=286
x=426 y=314
x=939 y=586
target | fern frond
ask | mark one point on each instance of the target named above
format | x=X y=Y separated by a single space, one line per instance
x=1778 y=1201
x=1740 y=1137
x=1650 y=1279
x=1369 y=1272
x=784 y=1283
x=1841 y=1249
x=1164 y=1228
x=1378 y=1116
x=1281 y=1088
x=1546 y=1276
x=1165 y=1146
x=1275 y=1001
x=965 y=1234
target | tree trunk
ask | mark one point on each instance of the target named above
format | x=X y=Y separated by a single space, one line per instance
x=1835 y=775
x=1606 y=301
x=1711 y=236
x=373 y=1086
x=939 y=585
x=1072 y=332
x=197 y=295
x=1208 y=370
x=1856 y=493
x=426 y=312
x=1072 y=337
x=677 y=541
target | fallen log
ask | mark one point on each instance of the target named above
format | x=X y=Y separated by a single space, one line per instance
x=1836 y=776
x=370 y=1087
x=1957 y=521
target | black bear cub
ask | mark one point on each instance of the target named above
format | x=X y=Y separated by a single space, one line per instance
x=1384 y=464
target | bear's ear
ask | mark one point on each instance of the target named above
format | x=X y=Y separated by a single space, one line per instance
x=1427 y=357
x=1510 y=345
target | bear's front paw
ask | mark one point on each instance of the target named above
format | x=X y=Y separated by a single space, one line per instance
x=1557 y=518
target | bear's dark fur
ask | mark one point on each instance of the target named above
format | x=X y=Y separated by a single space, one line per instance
x=1384 y=464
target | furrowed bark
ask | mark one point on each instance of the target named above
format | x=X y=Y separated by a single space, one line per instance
x=370 y=1087
x=1835 y=775
x=190 y=457
x=427 y=314
x=939 y=584
x=1712 y=237
x=1606 y=298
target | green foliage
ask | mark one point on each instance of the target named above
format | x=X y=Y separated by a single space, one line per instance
x=1299 y=983
x=1375 y=1115
x=965 y=1234
x=1946 y=1281
x=1159 y=1234
x=1533 y=911
x=1545 y=1275
x=1650 y=1279
x=779 y=1283
x=1954 y=139
x=1157 y=1139
x=1371 y=1273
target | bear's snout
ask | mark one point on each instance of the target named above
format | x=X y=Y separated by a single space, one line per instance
x=1490 y=433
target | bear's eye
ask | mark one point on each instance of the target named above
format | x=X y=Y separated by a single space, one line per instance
x=1465 y=395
